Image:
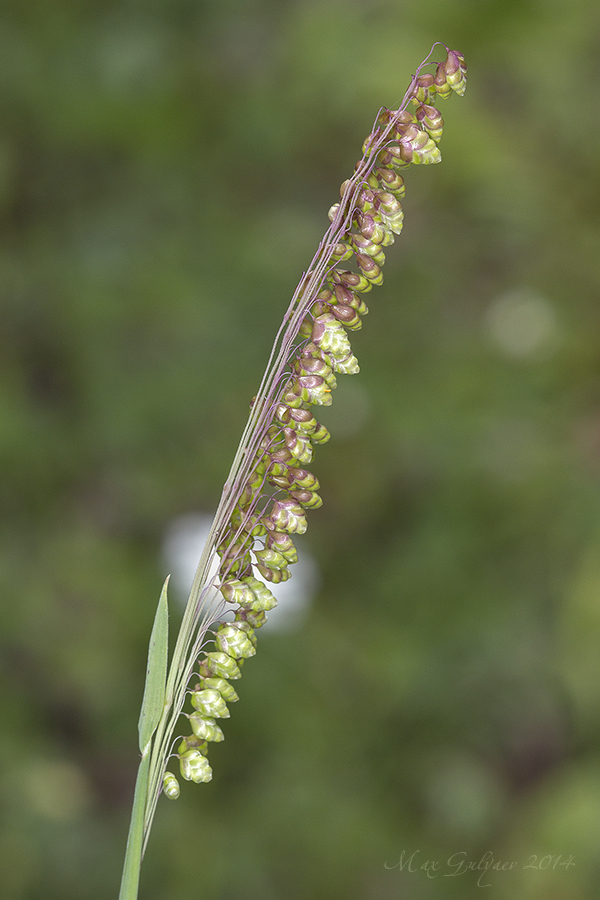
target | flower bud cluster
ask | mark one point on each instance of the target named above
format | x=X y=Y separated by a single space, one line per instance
x=275 y=495
x=234 y=642
x=450 y=75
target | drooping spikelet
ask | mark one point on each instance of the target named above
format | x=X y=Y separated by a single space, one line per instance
x=270 y=484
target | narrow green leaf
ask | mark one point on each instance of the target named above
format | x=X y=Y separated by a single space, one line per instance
x=156 y=672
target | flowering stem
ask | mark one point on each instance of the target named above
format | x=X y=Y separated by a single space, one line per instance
x=268 y=489
x=133 y=855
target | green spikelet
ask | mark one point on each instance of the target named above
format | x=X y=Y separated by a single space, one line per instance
x=277 y=489
x=171 y=786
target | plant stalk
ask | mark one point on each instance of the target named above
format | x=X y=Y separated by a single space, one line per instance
x=133 y=854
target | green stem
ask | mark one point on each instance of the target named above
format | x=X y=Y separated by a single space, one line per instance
x=133 y=855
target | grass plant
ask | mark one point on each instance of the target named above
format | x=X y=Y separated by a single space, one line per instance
x=269 y=490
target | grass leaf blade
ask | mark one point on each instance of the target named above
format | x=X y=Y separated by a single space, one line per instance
x=156 y=672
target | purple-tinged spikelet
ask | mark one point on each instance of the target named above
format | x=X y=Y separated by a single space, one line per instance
x=269 y=487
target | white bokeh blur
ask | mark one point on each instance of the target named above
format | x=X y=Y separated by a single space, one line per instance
x=181 y=550
x=522 y=323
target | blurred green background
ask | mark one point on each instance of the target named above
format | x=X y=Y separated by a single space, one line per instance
x=166 y=168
